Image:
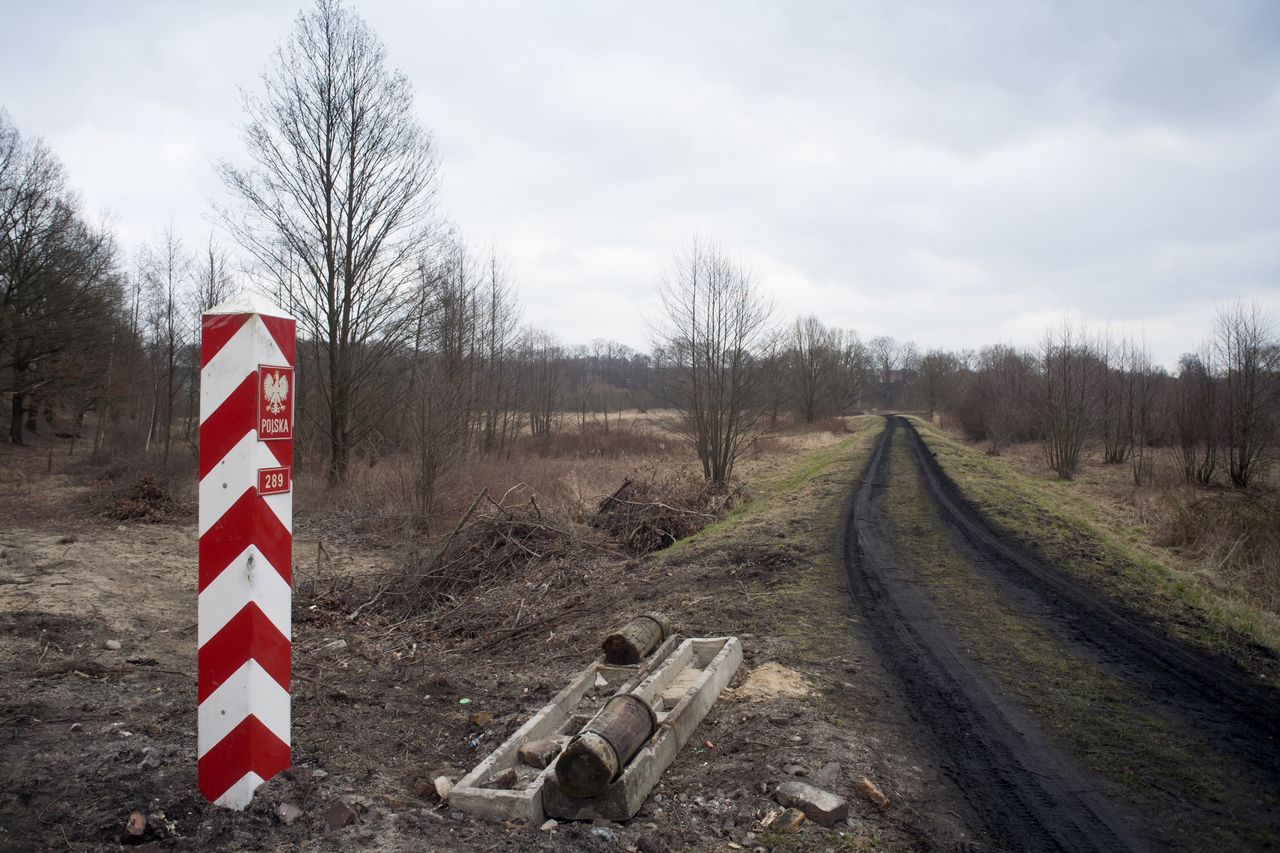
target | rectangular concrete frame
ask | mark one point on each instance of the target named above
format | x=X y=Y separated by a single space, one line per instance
x=554 y=718
x=718 y=658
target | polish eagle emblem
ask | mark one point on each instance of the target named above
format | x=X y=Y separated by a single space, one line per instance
x=275 y=389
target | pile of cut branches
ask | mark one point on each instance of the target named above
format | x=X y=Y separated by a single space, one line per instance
x=498 y=550
x=648 y=515
x=146 y=499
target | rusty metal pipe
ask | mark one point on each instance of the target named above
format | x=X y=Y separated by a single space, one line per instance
x=597 y=755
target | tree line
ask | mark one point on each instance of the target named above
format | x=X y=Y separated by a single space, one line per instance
x=411 y=339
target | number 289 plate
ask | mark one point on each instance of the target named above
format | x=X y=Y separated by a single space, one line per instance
x=274 y=481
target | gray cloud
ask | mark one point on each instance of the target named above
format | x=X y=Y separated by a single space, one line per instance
x=956 y=173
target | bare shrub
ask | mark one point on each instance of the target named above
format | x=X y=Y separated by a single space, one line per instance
x=994 y=405
x=1236 y=535
x=648 y=515
x=595 y=440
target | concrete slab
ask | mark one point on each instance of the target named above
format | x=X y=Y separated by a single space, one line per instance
x=560 y=718
x=706 y=666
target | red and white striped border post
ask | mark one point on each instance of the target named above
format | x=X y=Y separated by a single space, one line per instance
x=246 y=523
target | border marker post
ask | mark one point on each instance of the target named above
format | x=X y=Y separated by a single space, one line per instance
x=247 y=357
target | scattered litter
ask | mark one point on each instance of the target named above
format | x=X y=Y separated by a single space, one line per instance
x=464 y=701
x=112 y=645
x=444 y=787
x=790 y=820
x=288 y=813
x=872 y=792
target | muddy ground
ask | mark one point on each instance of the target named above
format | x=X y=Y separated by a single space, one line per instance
x=1071 y=721
x=90 y=735
x=983 y=706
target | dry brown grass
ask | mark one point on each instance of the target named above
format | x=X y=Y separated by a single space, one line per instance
x=1227 y=537
x=568 y=473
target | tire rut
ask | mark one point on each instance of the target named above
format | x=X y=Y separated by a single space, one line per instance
x=1029 y=795
x=1204 y=693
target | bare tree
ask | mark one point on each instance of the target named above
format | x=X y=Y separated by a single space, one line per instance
x=715 y=323
x=855 y=370
x=166 y=268
x=542 y=378
x=337 y=205
x=995 y=403
x=938 y=372
x=214 y=281
x=1068 y=365
x=58 y=276
x=813 y=359
x=1246 y=349
x=1197 y=417
x=1141 y=378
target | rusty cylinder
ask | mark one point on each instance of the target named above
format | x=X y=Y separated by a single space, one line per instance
x=636 y=639
x=606 y=743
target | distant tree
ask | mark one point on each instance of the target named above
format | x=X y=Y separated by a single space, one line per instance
x=337 y=205
x=1247 y=353
x=1068 y=380
x=813 y=359
x=715 y=323
x=166 y=268
x=542 y=379
x=937 y=373
x=1197 y=417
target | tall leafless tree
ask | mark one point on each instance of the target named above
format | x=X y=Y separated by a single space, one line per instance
x=1068 y=379
x=58 y=275
x=715 y=322
x=166 y=269
x=337 y=204
x=1197 y=417
x=1246 y=348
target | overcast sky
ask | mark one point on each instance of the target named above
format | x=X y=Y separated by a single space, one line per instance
x=958 y=174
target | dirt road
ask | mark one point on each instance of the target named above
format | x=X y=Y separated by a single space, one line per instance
x=1067 y=722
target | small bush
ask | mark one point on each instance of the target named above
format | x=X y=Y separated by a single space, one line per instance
x=593 y=441
x=1235 y=534
x=146 y=499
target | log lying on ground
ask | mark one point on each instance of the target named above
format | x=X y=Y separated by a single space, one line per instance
x=607 y=742
x=636 y=639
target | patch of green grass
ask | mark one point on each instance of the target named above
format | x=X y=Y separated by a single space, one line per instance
x=1084 y=710
x=1070 y=531
x=850 y=451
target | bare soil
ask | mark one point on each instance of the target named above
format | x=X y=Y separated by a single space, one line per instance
x=89 y=735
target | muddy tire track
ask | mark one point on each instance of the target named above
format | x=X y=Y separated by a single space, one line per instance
x=1029 y=795
x=1205 y=693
